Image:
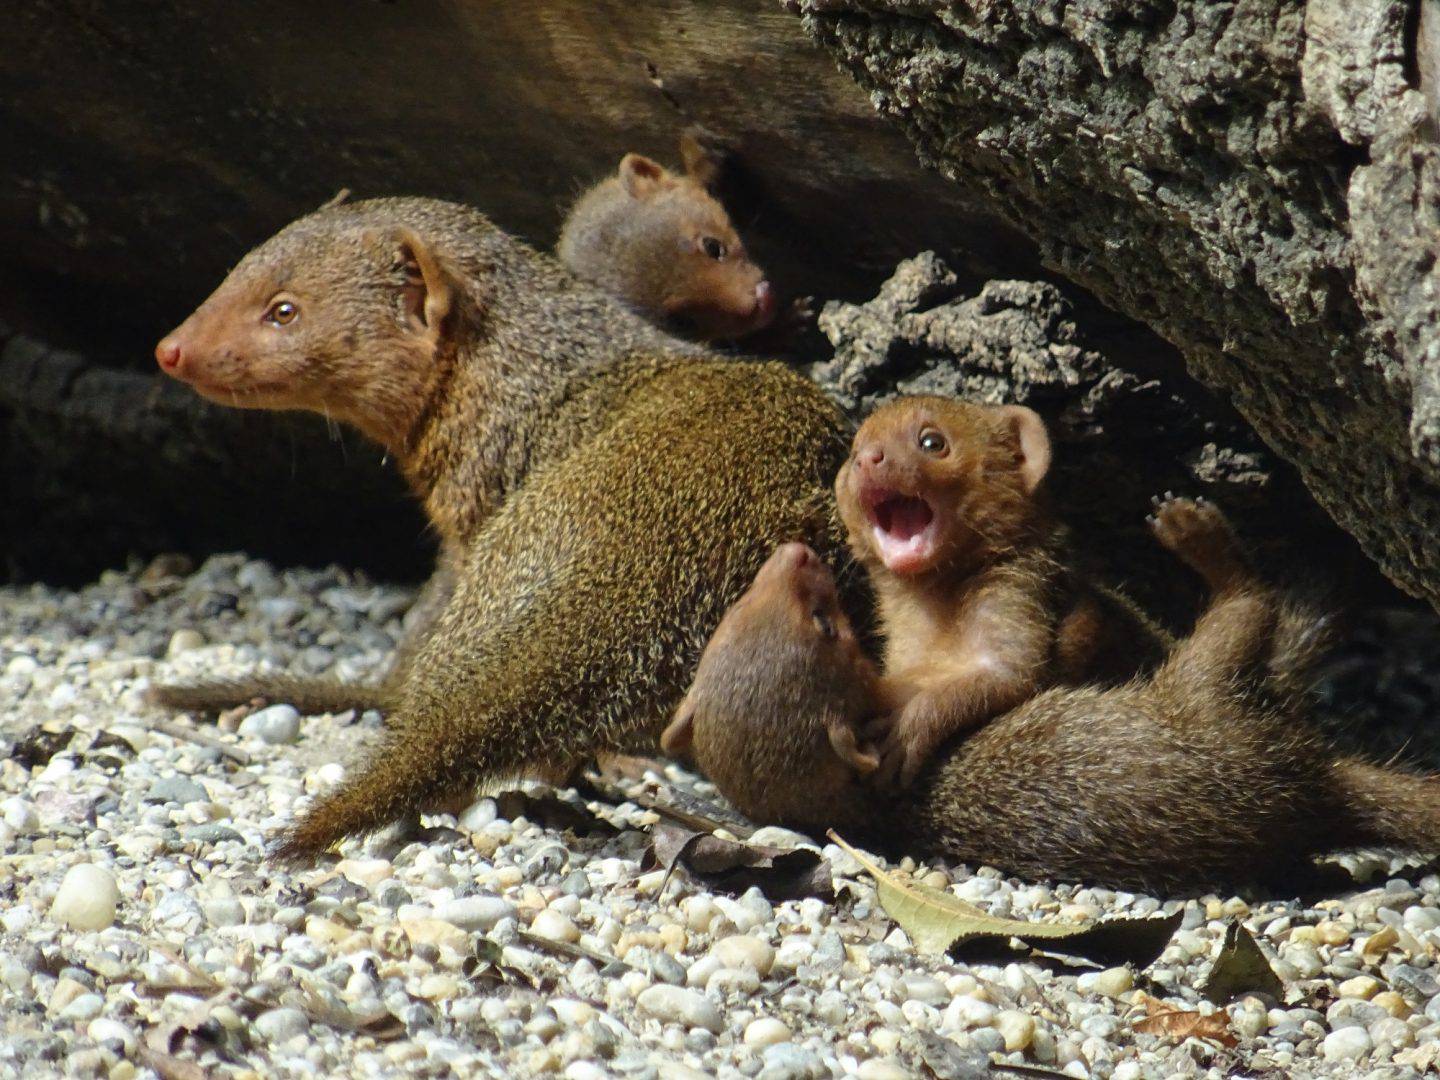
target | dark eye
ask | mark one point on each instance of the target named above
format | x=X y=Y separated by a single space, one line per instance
x=282 y=313
x=713 y=247
x=823 y=623
x=932 y=442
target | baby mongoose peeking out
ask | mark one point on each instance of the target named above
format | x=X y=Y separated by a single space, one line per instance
x=662 y=243
x=978 y=602
x=1205 y=774
x=782 y=689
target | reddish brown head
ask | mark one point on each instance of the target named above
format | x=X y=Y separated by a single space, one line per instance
x=661 y=242
x=340 y=313
x=934 y=483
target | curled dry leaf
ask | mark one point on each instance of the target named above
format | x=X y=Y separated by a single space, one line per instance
x=1182 y=1024
x=732 y=867
x=37 y=746
x=937 y=920
x=1379 y=943
x=1241 y=967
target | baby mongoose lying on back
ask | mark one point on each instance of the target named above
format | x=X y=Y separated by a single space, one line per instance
x=1204 y=774
x=783 y=660
x=662 y=243
x=979 y=604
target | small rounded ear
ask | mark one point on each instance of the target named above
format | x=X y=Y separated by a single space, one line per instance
x=1033 y=442
x=675 y=740
x=702 y=156
x=429 y=292
x=641 y=177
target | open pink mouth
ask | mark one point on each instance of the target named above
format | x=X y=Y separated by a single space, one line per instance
x=904 y=529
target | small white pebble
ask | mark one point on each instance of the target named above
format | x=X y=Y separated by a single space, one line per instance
x=744 y=950
x=279 y=725
x=1112 y=982
x=182 y=641
x=1346 y=1044
x=766 y=1031
x=678 y=1005
x=87 y=898
x=1016 y=1028
x=552 y=926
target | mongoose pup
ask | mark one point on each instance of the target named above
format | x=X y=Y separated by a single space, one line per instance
x=1204 y=774
x=662 y=243
x=782 y=689
x=602 y=490
x=979 y=605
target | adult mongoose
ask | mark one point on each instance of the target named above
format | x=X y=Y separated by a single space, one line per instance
x=661 y=242
x=979 y=602
x=1203 y=774
x=602 y=490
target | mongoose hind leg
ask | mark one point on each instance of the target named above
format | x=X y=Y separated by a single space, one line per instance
x=1235 y=634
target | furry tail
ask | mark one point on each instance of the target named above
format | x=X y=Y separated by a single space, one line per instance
x=1385 y=807
x=379 y=790
x=309 y=696
x=397 y=778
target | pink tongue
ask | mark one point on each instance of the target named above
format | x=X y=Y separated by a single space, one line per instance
x=908 y=518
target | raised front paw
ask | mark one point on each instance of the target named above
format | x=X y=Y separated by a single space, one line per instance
x=1200 y=535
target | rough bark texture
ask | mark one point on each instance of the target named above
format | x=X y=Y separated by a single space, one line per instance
x=1120 y=436
x=1256 y=180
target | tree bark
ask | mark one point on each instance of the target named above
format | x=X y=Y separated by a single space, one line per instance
x=1256 y=180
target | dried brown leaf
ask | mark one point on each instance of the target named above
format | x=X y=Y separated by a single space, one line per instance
x=732 y=867
x=1182 y=1024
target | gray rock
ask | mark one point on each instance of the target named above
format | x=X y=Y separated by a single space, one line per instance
x=212 y=833
x=278 y=725
x=280 y=1025
x=787 y=1061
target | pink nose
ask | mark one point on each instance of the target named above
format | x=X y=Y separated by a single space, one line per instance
x=791 y=556
x=873 y=456
x=169 y=355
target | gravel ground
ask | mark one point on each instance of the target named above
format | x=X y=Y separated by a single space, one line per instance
x=142 y=934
